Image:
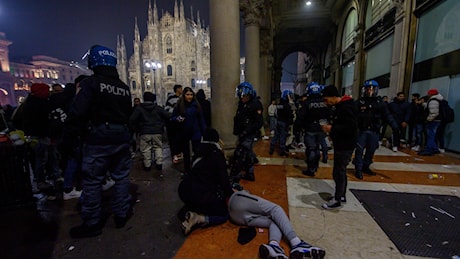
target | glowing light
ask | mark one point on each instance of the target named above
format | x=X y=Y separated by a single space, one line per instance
x=308 y=3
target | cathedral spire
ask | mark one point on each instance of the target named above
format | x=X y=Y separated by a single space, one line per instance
x=137 y=36
x=155 y=12
x=198 y=19
x=176 y=12
x=150 y=16
x=182 y=15
x=191 y=12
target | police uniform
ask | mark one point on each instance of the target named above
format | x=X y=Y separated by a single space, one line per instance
x=104 y=105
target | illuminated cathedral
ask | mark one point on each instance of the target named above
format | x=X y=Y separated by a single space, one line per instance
x=175 y=51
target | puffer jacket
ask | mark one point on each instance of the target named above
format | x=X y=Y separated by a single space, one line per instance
x=149 y=118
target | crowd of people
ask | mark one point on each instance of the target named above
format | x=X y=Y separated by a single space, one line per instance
x=83 y=137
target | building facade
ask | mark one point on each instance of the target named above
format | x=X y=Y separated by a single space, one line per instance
x=176 y=50
x=16 y=78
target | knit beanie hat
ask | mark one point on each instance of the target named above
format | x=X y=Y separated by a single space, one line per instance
x=432 y=92
x=149 y=96
x=40 y=90
x=211 y=135
x=330 y=91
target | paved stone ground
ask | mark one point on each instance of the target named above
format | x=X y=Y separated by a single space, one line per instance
x=40 y=229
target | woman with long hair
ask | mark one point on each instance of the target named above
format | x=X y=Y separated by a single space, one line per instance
x=190 y=120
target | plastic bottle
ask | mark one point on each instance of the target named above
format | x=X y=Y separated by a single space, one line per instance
x=433 y=176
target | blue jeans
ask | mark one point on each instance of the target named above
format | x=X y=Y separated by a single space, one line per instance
x=272 y=123
x=431 y=129
x=97 y=161
x=418 y=133
x=339 y=173
x=368 y=140
x=312 y=141
x=280 y=136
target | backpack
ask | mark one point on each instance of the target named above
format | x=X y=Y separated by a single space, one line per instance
x=446 y=113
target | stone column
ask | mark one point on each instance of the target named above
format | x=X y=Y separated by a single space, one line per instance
x=225 y=65
x=265 y=76
x=359 y=61
x=400 y=43
x=251 y=12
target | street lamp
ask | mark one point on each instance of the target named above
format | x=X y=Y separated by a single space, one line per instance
x=153 y=66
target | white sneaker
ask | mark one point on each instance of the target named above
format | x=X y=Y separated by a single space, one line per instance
x=416 y=148
x=442 y=150
x=395 y=149
x=108 y=184
x=73 y=194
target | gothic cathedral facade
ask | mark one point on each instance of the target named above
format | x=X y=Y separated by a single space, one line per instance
x=175 y=51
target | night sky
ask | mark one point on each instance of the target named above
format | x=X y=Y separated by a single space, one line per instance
x=66 y=29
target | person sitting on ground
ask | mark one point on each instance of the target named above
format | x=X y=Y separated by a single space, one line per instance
x=206 y=188
x=246 y=209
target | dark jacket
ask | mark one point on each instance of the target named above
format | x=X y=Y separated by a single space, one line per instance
x=372 y=112
x=344 y=131
x=193 y=126
x=149 y=118
x=35 y=116
x=248 y=118
x=205 y=106
x=104 y=104
x=284 y=112
x=311 y=112
x=207 y=182
x=400 y=110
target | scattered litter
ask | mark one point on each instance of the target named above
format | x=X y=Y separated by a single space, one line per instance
x=455 y=257
x=445 y=243
x=137 y=201
x=263 y=192
x=303 y=215
x=71 y=248
x=261 y=230
x=418 y=159
x=442 y=211
x=428 y=245
x=447 y=166
x=407 y=224
x=413 y=215
x=404 y=211
x=263 y=163
x=143 y=253
x=436 y=219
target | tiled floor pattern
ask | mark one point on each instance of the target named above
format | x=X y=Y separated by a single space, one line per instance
x=346 y=233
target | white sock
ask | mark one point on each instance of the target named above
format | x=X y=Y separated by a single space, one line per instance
x=295 y=241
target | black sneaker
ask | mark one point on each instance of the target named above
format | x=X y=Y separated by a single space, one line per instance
x=369 y=171
x=308 y=173
x=85 y=230
x=305 y=250
x=120 y=222
x=332 y=204
x=324 y=160
x=269 y=251
x=248 y=177
x=359 y=175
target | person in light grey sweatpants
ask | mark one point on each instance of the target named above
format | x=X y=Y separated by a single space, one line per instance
x=246 y=209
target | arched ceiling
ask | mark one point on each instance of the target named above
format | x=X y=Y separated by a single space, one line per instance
x=298 y=27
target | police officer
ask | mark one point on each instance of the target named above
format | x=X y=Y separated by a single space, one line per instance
x=371 y=113
x=313 y=113
x=247 y=121
x=284 y=116
x=104 y=106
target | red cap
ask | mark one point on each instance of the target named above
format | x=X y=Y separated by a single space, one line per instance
x=40 y=90
x=432 y=92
